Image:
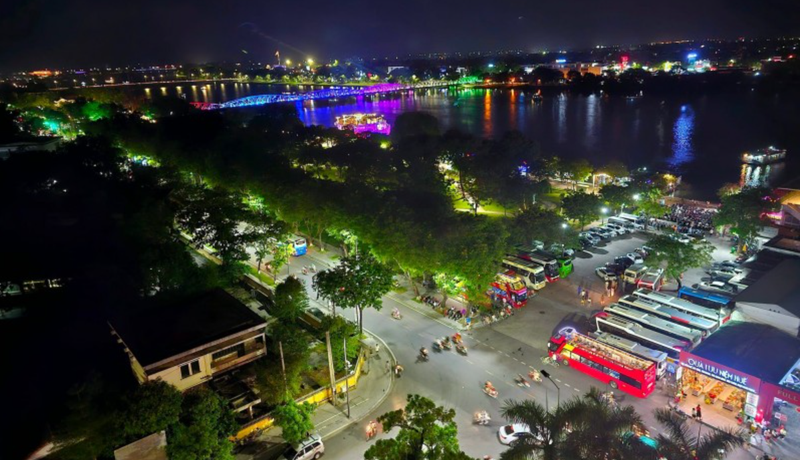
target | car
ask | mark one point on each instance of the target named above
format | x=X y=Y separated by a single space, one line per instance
x=607 y=273
x=585 y=243
x=682 y=238
x=558 y=248
x=723 y=273
x=635 y=257
x=537 y=245
x=510 y=433
x=620 y=229
x=726 y=265
x=594 y=239
x=623 y=261
x=310 y=448
x=602 y=232
x=718 y=286
x=615 y=231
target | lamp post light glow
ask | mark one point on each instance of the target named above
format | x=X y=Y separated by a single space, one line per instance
x=636 y=197
x=564 y=225
x=603 y=211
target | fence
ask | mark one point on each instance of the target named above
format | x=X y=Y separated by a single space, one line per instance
x=317 y=397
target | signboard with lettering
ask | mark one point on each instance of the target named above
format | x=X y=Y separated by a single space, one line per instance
x=720 y=372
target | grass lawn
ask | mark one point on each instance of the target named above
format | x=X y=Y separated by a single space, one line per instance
x=263 y=277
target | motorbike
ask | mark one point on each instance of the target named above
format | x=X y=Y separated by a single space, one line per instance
x=396 y=314
x=482 y=418
x=456 y=338
x=305 y=270
x=423 y=355
x=372 y=430
x=461 y=349
x=446 y=343
x=490 y=390
x=522 y=382
x=535 y=376
x=437 y=345
x=398 y=370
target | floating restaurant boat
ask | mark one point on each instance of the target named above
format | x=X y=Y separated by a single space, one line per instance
x=764 y=156
x=364 y=122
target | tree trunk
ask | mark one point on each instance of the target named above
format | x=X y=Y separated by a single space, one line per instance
x=444 y=300
x=360 y=321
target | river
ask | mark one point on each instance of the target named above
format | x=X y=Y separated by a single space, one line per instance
x=700 y=138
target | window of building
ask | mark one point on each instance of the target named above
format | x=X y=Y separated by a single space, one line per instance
x=189 y=369
x=236 y=350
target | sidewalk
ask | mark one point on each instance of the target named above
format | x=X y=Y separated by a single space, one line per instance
x=373 y=388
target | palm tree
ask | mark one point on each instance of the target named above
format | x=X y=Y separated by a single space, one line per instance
x=585 y=427
x=682 y=444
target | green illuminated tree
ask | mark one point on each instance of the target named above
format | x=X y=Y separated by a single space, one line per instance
x=291 y=300
x=294 y=420
x=426 y=431
x=577 y=170
x=742 y=212
x=358 y=282
x=206 y=423
x=616 y=196
x=538 y=223
x=581 y=207
x=678 y=257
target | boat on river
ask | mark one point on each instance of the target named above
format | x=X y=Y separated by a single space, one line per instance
x=363 y=122
x=764 y=156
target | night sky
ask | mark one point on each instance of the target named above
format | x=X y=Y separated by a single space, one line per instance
x=60 y=33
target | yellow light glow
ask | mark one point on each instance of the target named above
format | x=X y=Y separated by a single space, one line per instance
x=288 y=62
x=310 y=61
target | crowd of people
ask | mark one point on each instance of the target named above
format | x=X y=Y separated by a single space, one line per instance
x=691 y=217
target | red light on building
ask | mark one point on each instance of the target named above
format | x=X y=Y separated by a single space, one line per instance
x=624 y=61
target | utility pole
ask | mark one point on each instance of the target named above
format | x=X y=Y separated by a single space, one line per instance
x=346 y=376
x=283 y=368
x=330 y=367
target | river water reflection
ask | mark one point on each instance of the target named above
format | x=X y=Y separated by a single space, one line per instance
x=700 y=138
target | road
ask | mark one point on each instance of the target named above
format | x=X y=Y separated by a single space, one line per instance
x=496 y=353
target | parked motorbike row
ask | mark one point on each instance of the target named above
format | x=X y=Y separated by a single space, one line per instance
x=431 y=300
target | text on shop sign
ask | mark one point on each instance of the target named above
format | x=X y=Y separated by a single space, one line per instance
x=719 y=373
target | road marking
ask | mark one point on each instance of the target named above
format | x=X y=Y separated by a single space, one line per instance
x=523 y=363
x=468 y=361
x=577 y=390
x=557 y=380
x=567 y=385
x=488 y=372
x=515 y=359
x=654 y=428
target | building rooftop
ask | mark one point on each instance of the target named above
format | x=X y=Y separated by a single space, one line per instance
x=780 y=286
x=756 y=349
x=159 y=332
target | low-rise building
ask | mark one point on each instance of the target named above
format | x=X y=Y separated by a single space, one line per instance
x=774 y=298
x=47 y=144
x=190 y=342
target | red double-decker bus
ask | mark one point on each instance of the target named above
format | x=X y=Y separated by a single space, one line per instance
x=629 y=373
x=511 y=287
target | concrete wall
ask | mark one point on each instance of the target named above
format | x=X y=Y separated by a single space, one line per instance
x=173 y=375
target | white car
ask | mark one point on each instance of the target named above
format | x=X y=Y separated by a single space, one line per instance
x=311 y=448
x=618 y=228
x=510 y=433
x=605 y=274
x=635 y=257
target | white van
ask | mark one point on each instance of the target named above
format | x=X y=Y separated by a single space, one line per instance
x=634 y=273
x=633 y=226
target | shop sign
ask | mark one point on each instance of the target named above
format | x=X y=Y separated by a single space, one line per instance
x=789 y=396
x=750 y=410
x=719 y=372
x=752 y=398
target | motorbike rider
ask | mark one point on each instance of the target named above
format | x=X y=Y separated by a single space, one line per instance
x=423 y=352
x=489 y=387
x=395 y=312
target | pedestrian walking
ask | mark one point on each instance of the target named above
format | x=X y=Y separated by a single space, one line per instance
x=388 y=367
x=694 y=413
x=699 y=413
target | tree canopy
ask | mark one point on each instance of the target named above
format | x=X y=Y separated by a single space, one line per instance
x=427 y=431
x=291 y=300
x=742 y=212
x=294 y=420
x=678 y=257
x=581 y=207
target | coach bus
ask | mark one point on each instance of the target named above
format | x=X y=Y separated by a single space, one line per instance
x=708 y=299
x=720 y=315
x=620 y=370
x=638 y=333
x=706 y=326
x=532 y=273
x=634 y=348
x=655 y=323
x=545 y=260
x=510 y=288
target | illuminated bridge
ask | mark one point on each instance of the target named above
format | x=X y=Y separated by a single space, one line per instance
x=253 y=101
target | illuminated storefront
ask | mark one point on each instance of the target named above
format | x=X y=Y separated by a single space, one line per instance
x=738 y=373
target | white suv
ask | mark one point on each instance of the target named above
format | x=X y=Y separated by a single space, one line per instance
x=311 y=448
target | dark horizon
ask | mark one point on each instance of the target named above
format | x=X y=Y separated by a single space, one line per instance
x=90 y=33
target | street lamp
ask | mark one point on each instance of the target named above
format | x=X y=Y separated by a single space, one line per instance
x=547 y=376
x=604 y=211
x=636 y=197
x=564 y=225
